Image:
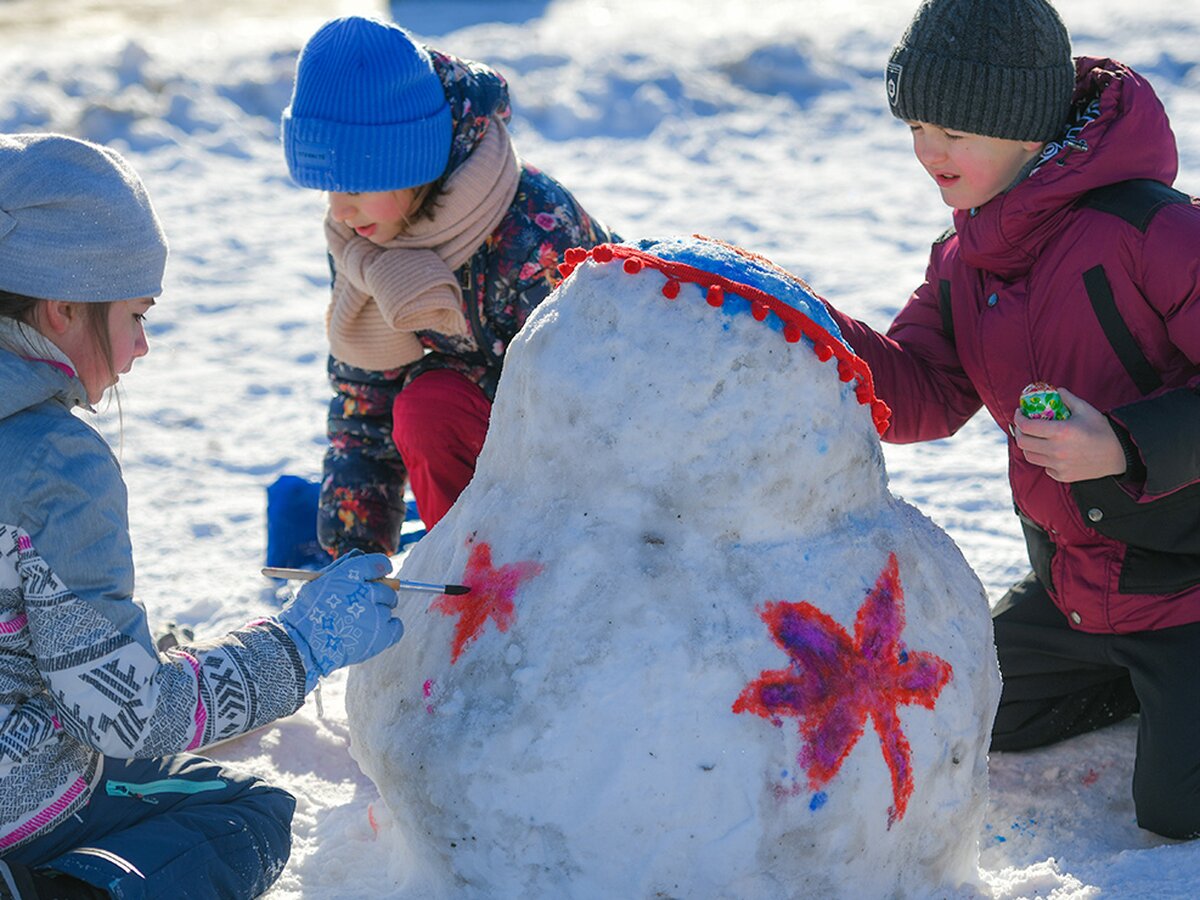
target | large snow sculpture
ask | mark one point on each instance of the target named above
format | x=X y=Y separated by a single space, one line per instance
x=706 y=653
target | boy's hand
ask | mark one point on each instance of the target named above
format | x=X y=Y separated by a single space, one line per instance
x=1075 y=449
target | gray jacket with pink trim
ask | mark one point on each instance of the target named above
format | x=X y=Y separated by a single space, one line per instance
x=80 y=678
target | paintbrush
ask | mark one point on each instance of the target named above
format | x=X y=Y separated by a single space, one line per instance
x=396 y=584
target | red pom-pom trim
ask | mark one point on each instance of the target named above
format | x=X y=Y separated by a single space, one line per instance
x=565 y=269
x=881 y=413
x=795 y=323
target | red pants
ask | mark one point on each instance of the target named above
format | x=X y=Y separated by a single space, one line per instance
x=438 y=423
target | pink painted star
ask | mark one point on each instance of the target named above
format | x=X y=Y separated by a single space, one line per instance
x=834 y=683
x=490 y=597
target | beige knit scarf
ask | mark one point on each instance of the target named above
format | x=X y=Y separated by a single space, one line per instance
x=383 y=294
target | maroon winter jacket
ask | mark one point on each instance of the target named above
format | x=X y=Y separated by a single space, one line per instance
x=1086 y=274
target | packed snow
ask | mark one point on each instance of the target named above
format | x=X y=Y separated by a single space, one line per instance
x=676 y=509
x=759 y=123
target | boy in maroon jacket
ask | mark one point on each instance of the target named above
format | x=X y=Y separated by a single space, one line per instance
x=1072 y=261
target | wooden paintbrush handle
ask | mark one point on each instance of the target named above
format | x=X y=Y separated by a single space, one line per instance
x=396 y=584
x=309 y=575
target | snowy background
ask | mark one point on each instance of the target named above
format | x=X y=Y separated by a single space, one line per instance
x=762 y=122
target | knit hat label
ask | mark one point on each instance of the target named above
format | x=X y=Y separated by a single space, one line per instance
x=313 y=156
x=892 y=77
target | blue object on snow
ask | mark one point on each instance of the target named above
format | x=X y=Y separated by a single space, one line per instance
x=416 y=533
x=292 y=524
x=292 y=543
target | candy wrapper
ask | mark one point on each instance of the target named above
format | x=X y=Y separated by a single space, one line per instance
x=1041 y=401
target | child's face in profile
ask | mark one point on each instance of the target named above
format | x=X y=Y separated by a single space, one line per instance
x=969 y=169
x=379 y=216
x=75 y=336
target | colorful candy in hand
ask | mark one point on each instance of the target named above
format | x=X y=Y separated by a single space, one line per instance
x=1041 y=401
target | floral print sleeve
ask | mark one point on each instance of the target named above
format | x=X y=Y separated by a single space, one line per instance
x=513 y=272
x=362 y=489
x=544 y=221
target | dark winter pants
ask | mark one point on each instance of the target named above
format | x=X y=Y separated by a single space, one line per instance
x=1059 y=682
x=182 y=827
x=439 y=422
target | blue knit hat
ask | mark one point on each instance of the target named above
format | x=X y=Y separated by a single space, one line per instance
x=368 y=112
x=75 y=222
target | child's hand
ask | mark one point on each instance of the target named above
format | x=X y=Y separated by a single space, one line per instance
x=1076 y=449
x=344 y=616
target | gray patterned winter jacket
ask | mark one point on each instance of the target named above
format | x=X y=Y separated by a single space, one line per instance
x=80 y=678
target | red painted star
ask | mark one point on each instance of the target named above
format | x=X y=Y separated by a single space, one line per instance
x=490 y=597
x=833 y=683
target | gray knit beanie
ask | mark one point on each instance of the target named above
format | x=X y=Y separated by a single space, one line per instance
x=1000 y=68
x=75 y=222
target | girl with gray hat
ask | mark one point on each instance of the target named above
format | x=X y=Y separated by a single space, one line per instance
x=1071 y=261
x=100 y=792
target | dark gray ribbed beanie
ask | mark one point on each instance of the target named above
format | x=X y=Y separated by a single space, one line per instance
x=1000 y=68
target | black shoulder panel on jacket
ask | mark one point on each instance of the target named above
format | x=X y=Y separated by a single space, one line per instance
x=945 y=236
x=946 y=309
x=1099 y=292
x=1136 y=201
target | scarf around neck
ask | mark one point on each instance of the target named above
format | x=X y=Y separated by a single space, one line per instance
x=384 y=294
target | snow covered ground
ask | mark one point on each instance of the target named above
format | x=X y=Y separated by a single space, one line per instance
x=762 y=123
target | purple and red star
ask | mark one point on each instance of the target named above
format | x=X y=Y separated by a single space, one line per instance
x=834 y=682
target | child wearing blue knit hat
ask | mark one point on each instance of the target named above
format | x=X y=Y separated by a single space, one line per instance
x=442 y=241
